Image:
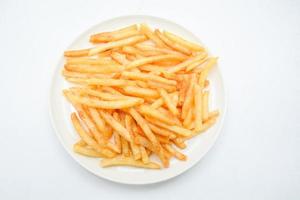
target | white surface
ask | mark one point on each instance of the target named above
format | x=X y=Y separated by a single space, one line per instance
x=61 y=110
x=257 y=155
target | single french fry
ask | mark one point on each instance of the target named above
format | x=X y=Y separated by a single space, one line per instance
x=111 y=90
x=113 y=36
x=179 y=143
x=101 y=82
x=149 y=33
x=145 y=127
x=205 y=105
x=90 y=61
x=206 y=69
x=175 y=129
x=125 y=29
x=152 y=68
x=175 y=98
x=183 y=88
x=118 y=143
x=168 y=102
x=144 y=155
x=167 y=63
x=88 y=139
x=114 y=44
x=157 y=85
x=161 y=131
x=171 y=44
x=206 y=125
x=140 y=92
x=174 y=152
x=128 y=161
x=76 y=53
x=148 y=111
x=183 y=65
x=188 y=97
x=198 y=107
x=183 y=42
x=188 y=119
x=97 y=93
x=71 y=74
x=125 y=147
x=134 y=148
x=117 y=126
x=104 y=69
x=87 y=152
x=144 y=47
x=94 y=102
x=120 y=58
x=147 y=77
x=151 y=59
x=136 y=51
x=196 y=65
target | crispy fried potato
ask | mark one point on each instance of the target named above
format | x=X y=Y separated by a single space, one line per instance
x=183 y=42
x=115 y=44
x=152 y=59
x=96 y=103
x=86 y=151
x=128 y=161
x=148 y=111
x=147 y=77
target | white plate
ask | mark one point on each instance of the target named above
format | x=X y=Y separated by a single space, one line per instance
x=60 y=111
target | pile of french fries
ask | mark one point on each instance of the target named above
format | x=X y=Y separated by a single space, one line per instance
x=138 y=93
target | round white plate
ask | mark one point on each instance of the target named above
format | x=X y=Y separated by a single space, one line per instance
x=60 y=111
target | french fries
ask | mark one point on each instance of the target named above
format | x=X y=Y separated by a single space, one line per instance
x=128 y=161
x=102 y=69
x=138 y=92
x=183 y=42
x=115 y=44
x=152 y=59
x=115 y=35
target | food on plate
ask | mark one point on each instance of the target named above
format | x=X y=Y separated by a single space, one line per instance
x=138 y=94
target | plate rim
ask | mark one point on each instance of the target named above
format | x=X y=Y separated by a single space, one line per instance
x=163 y=179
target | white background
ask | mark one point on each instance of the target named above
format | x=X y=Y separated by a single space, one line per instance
x=257 y=155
